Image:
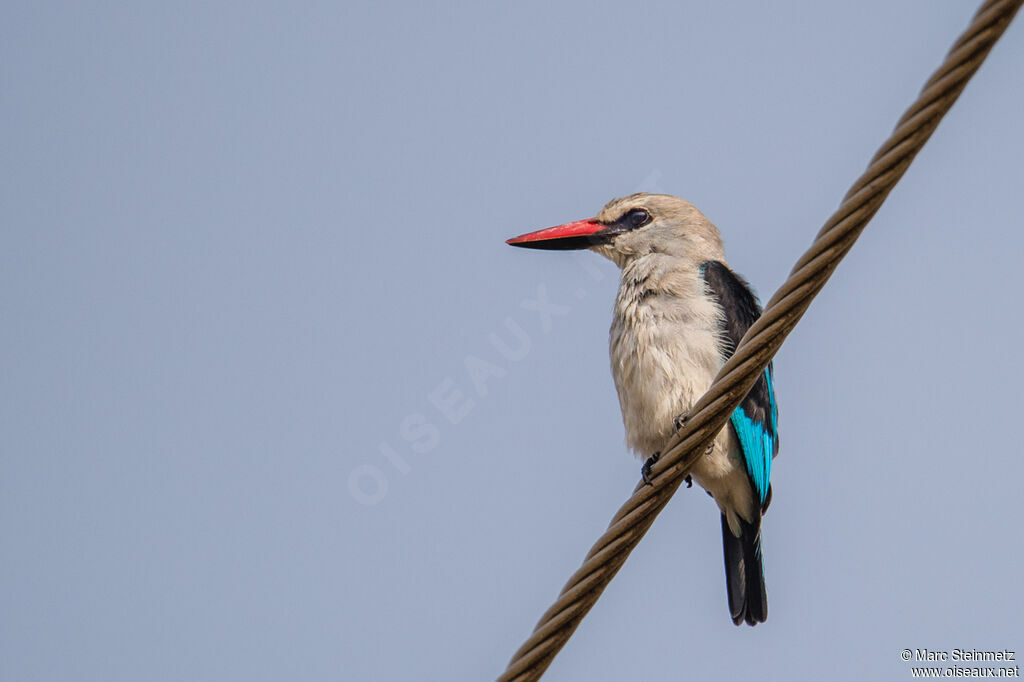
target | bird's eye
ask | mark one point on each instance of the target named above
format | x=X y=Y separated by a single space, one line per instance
x=638 y=217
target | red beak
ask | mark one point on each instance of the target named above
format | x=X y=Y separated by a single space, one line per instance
x=581 y=234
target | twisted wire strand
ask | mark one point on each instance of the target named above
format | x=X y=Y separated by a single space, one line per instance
x=762 y=341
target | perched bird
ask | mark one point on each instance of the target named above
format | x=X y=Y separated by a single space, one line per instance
x=679 y=314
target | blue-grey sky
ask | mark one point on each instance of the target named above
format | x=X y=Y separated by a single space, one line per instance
x=253 y=421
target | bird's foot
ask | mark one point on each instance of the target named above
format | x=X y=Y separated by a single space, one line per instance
x=645 y=470
x=680 y=421
x=689 y=481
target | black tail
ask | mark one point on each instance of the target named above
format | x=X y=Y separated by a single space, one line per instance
x=744 y=574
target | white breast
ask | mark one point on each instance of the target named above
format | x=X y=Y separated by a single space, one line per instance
x=665 y=351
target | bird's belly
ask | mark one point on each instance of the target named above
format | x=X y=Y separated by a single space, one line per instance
x=659 y=374
x=724 y=475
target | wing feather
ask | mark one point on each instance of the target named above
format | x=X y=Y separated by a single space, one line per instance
x=755 y=421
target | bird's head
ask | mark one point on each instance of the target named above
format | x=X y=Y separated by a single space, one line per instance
x=633 y=227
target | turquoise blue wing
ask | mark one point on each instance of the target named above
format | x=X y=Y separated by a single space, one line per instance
x=756 y=420
x=755 y=423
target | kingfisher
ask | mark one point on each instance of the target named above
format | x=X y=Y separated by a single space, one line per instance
x=679 y=314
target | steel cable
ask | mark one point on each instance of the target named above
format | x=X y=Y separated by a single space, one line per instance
x=762 y=341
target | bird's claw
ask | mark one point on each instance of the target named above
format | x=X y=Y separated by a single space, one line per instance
x=680 y=421
x=645 y=470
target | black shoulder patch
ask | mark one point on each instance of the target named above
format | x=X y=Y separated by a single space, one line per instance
x=737 y=300
x=741 y=309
